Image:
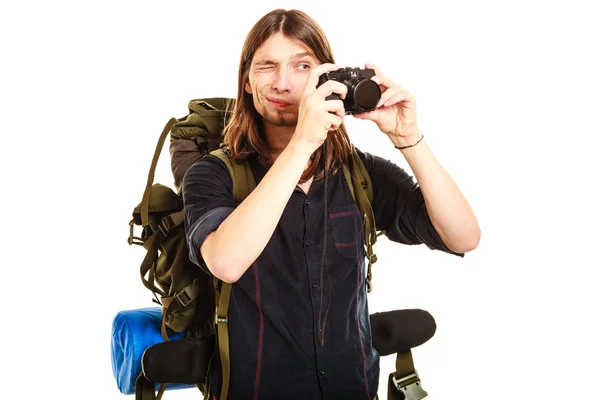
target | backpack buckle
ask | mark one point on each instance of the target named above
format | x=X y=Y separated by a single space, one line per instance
x=166 y=224
x=220 y=319
x=411 y=391
x=133 y=239
x=183 y=298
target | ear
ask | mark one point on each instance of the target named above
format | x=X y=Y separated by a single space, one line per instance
x=248 y=88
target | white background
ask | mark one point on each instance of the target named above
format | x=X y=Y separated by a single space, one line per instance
x=508 y=99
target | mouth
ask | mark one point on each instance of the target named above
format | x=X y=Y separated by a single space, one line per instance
x=278 y=103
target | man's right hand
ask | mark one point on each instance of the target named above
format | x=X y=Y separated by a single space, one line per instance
x=316 y=115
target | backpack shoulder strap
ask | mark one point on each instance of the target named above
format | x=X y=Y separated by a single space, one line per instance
x=222 y=296
x=359 y=182
x=241 y=174
x=361 y=175
x=243 y=184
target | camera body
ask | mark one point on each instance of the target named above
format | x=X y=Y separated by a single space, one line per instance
x=363 y=93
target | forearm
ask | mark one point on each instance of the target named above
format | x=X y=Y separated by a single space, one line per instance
x=448 y=209
x=241 y=238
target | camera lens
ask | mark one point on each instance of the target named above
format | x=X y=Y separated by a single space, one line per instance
x=366 y=95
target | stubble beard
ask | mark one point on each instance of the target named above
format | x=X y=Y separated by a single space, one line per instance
x=283 y=119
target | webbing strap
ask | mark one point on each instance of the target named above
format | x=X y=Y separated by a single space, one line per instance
x=405 y=384
x=184 y=297
x=404 y=364
x=348 y=178
x=223 y=333
x=241 y=175
x=161 y=390
x=167 y=310
x=149 y=263
x=172 y=220
x=363 y=196
x=152 y=245
x=405 y=375
x=243 y=188
x=363 y=173
x=150 y=182
x=243 y=183
x=144 y=389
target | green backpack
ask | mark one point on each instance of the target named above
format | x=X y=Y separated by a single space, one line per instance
x=191 y=301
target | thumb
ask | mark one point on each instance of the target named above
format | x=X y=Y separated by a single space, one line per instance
x=362 y=115
x=370 y=115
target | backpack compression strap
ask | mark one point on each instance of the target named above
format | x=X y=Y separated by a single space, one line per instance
x=150 y=182
x=243 y=183
x=144 y=389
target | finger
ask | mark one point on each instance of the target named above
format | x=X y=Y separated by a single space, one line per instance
x=396 y=93
x=362 y=115
x=330 y=87
x=385 y=96
x=336 y=107
x=371 y=115
x=315 y=73
x=379 y=77
x=396 y=98
x=334 y=122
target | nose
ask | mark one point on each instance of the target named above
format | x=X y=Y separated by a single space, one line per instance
x=283 y=82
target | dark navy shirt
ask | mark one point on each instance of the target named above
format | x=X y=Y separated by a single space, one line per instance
x=277 y=304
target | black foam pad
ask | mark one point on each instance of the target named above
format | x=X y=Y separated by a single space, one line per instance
x=401 y=330
x=178 y=361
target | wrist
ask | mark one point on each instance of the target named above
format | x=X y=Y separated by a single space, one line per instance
x=300 y=149
x=407 y=140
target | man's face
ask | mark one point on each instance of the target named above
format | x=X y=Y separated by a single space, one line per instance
x=277 y=78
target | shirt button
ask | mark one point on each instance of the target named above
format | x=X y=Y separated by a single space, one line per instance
x=307 y=243
x=314 y=285
x=321 y=372
x=307 y=203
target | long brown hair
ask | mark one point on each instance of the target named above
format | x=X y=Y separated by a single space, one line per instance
x=242 y=133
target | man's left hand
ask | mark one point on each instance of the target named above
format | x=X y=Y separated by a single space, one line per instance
x=396 y=113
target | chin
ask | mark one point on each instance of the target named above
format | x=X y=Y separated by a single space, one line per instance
x=289 y=123
x=282 y=119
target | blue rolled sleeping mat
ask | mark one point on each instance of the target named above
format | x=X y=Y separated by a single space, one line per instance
x=134 y=331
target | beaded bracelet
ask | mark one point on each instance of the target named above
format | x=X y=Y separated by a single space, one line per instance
x=410 y=145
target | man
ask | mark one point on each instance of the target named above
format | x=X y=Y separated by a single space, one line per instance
x=298 y=316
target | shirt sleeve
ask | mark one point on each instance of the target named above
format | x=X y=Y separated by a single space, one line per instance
x=399 y=206
x=207 y=191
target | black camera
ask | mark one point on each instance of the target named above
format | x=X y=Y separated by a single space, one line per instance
x=363 y=93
